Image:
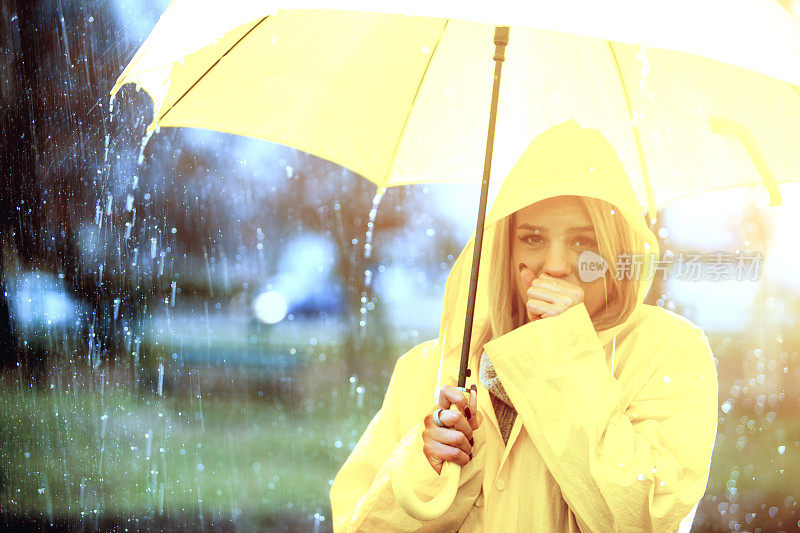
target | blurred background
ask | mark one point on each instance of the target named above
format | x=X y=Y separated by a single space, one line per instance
x=193 y=335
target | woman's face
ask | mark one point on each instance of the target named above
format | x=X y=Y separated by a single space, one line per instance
x=548 y=237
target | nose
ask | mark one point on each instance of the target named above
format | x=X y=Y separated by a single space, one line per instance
x=556 y=263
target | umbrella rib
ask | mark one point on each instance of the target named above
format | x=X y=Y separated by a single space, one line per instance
x=211 y=67
x=651 y=210
x=413 y=101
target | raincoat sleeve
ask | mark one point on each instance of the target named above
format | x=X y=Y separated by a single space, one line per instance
x=636 y=467
x=362 y=498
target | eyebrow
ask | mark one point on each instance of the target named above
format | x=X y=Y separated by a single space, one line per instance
x=569 y=230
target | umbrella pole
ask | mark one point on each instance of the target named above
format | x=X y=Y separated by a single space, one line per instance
x=500 y=41
x=402 y=484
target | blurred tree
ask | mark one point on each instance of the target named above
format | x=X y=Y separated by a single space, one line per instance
x=51 y=91
x=332 y=201
x=19 y=193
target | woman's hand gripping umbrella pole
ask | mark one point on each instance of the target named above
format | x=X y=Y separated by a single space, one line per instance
x=402 y=484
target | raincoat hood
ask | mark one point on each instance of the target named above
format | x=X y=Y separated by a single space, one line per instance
x=567 y=159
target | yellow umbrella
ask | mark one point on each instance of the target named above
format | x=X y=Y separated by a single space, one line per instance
x=402 y=99
x=694 y=96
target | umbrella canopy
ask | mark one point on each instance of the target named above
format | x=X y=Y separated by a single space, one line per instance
x=402 y=99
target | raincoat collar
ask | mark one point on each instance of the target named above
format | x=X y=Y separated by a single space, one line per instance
x=567 y=159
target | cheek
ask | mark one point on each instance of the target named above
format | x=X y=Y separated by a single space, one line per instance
x=520 y=254
x=594 y=295
x=519 y=286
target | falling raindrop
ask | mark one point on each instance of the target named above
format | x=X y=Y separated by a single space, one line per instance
x=360 y=398
x=373 y=213
x=318 y=518
x=161 y=379
x=145 y=140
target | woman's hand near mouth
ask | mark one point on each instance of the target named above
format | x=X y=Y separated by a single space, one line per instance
x=549 y=296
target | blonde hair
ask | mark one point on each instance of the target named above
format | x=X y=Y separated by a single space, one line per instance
x=614 y=237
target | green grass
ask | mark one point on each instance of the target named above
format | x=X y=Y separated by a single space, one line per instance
x=237 y=457
x=274 y=456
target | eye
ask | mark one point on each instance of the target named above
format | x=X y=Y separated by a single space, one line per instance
x=532 y=238
x=585 y=242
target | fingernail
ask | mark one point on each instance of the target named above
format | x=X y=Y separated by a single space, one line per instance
x=521 y=267
x=467 y=412
x=471 y=441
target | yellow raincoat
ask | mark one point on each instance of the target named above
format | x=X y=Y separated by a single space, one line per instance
x=614 y=429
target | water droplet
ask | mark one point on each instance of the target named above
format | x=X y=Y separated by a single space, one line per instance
x=160 y=379
x=145 y=140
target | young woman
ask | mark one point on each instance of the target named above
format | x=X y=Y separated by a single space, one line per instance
x=591 y=411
